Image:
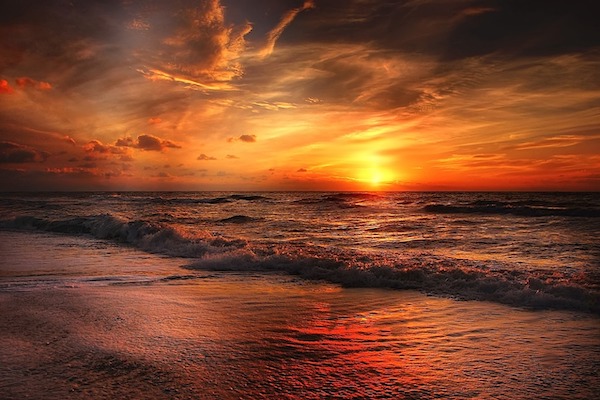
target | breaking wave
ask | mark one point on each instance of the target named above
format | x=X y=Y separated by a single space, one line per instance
x=147 y=236
x=437 y=275
x=445 y=277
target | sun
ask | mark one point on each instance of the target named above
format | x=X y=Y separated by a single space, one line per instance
x=375 y=177
x=374 y=172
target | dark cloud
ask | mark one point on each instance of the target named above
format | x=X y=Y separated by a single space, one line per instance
x=77 y=43
x=153 y=143
x=50 y=179
x=243 y=138
x=147 y=142
x=14 y=153
x=204 y=157
x=247 y=138
x=95 y=146
x=56 y=37
x=526 y=28
x=90 y=165
x=231 y=157
x=454 y=29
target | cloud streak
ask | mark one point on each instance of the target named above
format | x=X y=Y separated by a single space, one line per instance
x=286 y=19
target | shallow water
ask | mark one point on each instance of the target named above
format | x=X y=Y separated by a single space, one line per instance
x=149 y=329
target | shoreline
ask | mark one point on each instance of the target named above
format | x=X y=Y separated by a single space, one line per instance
x=272 y=337
x=115 y=322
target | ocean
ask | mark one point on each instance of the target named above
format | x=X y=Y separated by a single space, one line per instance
x=300 y=295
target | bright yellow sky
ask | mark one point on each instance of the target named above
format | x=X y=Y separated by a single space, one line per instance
x=293 y=95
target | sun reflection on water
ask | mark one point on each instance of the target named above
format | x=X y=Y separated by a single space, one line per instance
x=242 y=336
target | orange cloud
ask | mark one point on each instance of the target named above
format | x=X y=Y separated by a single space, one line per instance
x=155 y=74
x=204 y=157
x=154 y=121
x=207 y=49
x=5 y=87
x=147 y=142
x=69 y=139
x=243 y=138
x=95 y=146
x=26 y=82
x=287 y=19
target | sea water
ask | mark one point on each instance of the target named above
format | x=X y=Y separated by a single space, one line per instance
x=299 y=295
x=536 y=250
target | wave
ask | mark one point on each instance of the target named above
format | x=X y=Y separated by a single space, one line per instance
x=437 y=275
x=342 y=200
x=239 y=219
x=154 y=198
x=538 y=290
x=501 y=208
x=150 y=237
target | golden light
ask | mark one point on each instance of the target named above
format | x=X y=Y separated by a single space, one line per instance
x=374 y=174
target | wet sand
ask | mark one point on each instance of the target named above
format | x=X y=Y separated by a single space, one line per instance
x=211 y=335
x=227 y=338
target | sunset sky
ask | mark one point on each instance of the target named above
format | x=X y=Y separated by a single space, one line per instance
x=293 y=95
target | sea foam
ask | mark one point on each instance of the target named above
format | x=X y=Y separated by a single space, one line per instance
x=433 y=274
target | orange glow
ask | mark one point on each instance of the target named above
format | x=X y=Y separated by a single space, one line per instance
x=324 y=112
x=374 y=173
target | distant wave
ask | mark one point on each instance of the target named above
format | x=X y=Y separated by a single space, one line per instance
x=239 y=219
x=342 y=200
x=149 y=198
x=232 y=198
x=517 y=208
x=437 y=275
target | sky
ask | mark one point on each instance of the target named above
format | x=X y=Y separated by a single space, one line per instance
x=299 y=95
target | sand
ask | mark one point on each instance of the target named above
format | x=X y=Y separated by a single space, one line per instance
x=173 y=333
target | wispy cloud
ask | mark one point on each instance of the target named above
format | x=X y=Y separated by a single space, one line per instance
x=287 y=19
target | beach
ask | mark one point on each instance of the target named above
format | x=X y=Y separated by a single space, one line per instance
x=180 y=333
x=299 y=199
